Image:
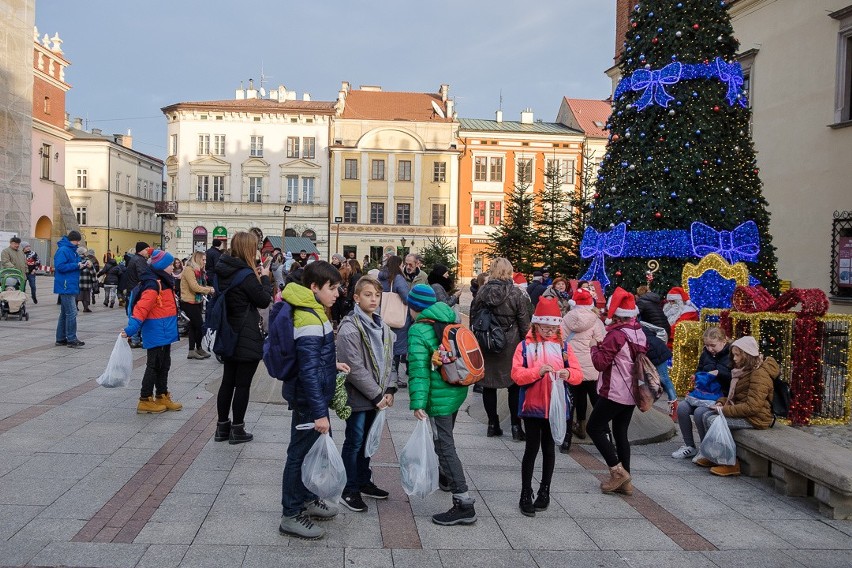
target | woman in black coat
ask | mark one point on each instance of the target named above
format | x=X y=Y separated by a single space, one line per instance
x=252 y=293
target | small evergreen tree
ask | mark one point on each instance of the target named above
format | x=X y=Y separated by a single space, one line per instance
x=440 y=250
x=514 y=238
x=552 y=222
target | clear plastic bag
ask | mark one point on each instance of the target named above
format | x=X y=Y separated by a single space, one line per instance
x=322 y=471
x=558 y=412
x=374 y=436
x=418 y=462
x=718 y=444
x=119 y=366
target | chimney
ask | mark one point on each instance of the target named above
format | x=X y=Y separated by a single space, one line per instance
x=450 y=108
x=97 y=131
x=78 y=123
x=251 y=93
x=499 y=114
x=241 y=93
x=306 y=97
x=125 y=140
x=527 y=116
x=444 y=91
x=371 y=88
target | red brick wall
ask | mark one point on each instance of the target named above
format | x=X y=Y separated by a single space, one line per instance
x=56 y=114
x=622 y=21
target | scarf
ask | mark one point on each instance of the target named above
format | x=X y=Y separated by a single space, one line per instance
x=410 y=276
x=372 y=334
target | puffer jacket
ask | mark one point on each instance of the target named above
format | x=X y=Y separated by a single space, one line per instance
x=191 y=286
x=428 y=391
x=313 y=388
x=612 y=358
x=534 y=400
x=243 y=302
x=657 y=352
x=66 y=267
x=136 y=266
x=110 y=275
x=365 y=385
x=720 y=362
x=650 y=307
x=512 y=310
x=753 y=395
x=582 y=328
x=561 y=299
x=155 y=312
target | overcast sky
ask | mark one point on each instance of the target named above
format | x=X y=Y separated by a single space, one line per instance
x=132 y=57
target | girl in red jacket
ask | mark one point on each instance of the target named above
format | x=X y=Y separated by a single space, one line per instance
x=544 y=356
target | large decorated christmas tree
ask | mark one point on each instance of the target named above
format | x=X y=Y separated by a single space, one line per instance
x=679 y=179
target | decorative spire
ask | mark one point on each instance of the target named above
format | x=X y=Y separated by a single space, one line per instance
x=57 y=44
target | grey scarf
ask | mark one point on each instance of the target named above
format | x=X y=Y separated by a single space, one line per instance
x=372 y=328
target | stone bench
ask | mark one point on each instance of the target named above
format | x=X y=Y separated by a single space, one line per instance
x=800 y=465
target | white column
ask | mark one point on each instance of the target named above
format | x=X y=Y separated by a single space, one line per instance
x=364 y=213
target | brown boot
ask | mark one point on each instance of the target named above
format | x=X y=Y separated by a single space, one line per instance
x=726 y=470
x=166 y=400
x=579 y=429
x=618 y=476
x=626 y=489
x=149 y=406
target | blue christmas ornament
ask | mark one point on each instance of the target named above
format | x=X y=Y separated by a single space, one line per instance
x=686 y=145
x=722 y=210
x=666 y=169
x=679 y=5
x=618 y=211
x=623 y=164
x=698 y=172
x=607 y=205
x=659 y=30
x=698 y=133
x=650 y=158
x=641 y=135
x=694 y=94
x=650 y=14
x=673 y=194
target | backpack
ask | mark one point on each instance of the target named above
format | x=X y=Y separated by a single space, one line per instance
x=647 y=388
x=489 y=335
x=459 y=355
x=135 y=294
x=217 y=319
x=279 y=348
x=780 y=399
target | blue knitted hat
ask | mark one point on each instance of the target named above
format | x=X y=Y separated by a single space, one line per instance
x=421 y=297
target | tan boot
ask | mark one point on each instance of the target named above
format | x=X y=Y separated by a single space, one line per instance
x=149 y=406
x=618 y=476
x=726 y=470
x=166 y=400
x=626 y=489
x=579 y=429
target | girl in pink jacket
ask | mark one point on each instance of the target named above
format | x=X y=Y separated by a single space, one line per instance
x=542 y=357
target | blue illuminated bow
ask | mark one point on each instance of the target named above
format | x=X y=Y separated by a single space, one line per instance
x=732 y=74
x=598 y=245
x=654 y=84
x=743 y=243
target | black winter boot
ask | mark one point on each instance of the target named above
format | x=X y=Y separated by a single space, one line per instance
x=565 y=447
x=223 y=431
x=459 y=514
x=239 y=434
x=542 y=499
x=526 y=502
x=518 y=434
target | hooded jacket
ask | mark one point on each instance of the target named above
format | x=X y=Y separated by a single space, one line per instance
x=136 y=266
x=66 y=267
x=243 y=303
x=511 y=308
x=155 y=312
x=365 y=385
x=534 y=400
x=582 y=328
x=427 y=390
x=753 y=395
x=313 y=388
x=720 y=362
x=650 y=307
x=612 y=358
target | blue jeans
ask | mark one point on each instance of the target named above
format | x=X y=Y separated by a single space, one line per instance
x=66 y=327
x=666 y=381
x=356 y=464
x=294 y=494
x=31 y=281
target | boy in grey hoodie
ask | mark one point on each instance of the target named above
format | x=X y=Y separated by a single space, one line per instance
x=365 y=343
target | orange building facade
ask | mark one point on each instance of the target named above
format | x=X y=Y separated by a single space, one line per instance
x=493 y=152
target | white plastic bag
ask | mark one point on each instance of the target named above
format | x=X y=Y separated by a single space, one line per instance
x=418 y=462
x=558 y=412
x=119 y=366
x=322 y=471
x=718 y=444
x=374 y=436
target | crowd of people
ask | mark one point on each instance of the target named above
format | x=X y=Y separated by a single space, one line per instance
x=541 y=334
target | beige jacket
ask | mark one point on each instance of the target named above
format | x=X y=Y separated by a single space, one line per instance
x=189 y=287
x=11 y=258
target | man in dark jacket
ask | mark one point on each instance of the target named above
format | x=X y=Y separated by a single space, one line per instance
x=137 y=266
x=66 y=284
x=650 y=307
x=536 y=288
x=213 y=254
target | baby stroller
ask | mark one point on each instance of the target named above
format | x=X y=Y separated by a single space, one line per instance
x=13 y=297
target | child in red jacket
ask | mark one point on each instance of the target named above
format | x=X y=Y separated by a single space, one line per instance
x=544 y=356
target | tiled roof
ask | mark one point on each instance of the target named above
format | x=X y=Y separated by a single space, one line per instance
x=83 y=135
x=481 y=125
x=257 y=105
x=391 y=105
x=591 y=115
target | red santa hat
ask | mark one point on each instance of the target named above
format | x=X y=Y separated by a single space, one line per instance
x=519 y=280
x=547 y=312
x=677 y=293
x=621 y=304
x=581 y=299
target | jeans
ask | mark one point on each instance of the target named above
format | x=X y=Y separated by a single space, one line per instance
x=294 y=494
x=234 y=391
x=666 y=381
x=489 y=401
x=448 y=460
x=31 y=282
x=538 y=436
x=110 y=293
x=605 y=411
x=157 y=371
x=356 y=463
x=66 y=327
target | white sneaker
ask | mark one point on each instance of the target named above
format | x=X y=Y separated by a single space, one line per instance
x=684 y=452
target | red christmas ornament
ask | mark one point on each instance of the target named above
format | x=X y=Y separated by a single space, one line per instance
x=597 y=195
x=706 y=162
x=654 y=41
x=756 y=171
x=633 y=24
x=716 y=108
x=658 y=215
x=618 y=273
x=695 y=26
x=615 y=137
x=662 y=139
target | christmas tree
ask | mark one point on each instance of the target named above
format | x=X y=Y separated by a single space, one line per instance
x=679 y=179
x=552 y=225
x=514 y=237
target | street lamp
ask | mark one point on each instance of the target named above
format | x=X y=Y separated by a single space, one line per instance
x=337 y=220
x=402 y=241
x=287 y=209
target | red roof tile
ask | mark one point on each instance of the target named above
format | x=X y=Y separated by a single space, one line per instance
x=588 y=112
x=390 y=105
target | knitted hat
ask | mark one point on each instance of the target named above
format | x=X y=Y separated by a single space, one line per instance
x=621 y=304
x=546 y=312
x=160 y=259
x=25 y=244
x=140 y=246
x=581 y=299
x=677 y=293
x=75 y=236
x=421 y=297
x=519 y=280
x=748 y=345
x=81 y=251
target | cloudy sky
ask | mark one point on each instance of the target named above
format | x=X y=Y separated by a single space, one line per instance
x=130 y=58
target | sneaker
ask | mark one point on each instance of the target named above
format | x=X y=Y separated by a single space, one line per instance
x=673 y=410
x=370 y=490
x=204 y=354
x=62 y=343
x=300 y=526
x=75 y=344
x=194 y=355
x=684 y=452
x=319 y=510
x=459 y=514
x=401 y=384
x=354 y=502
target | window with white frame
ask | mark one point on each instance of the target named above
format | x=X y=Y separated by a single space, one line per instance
x=378 y=172
x=203 y=144
x=350 y=170
x=138 y=187
x=495 y=212
x=128 y=213
x=82 y=216
x=82 y=179
x=255 y=189
x=173 y=145
x=404 y=170
x=350 y=211
x=843 y=87
x=117 y=182
x=127 y=179
x=118 y=216
x=562 y=168
x=292 y=189
x=479 y=208
x=480 y=168
x=309 y=148
x=139 y=225
x=439 y=171
x=496 y=169
x=439 y=214
x=219 y=145
x=256 y=148
x=292 y=146
x=525 y=171
x=203 y=193
x=218 y=188
x=377 y=213
x=45 y=161
x=308 y=189
x=403 y=213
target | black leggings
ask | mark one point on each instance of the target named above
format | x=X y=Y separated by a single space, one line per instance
x=605 y=411
x=489 y=401
x=538 y=436
x=193 y=311
x=234 y=390
x=580 y=392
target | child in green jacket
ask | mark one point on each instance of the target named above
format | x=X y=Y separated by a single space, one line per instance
x=433 y=398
